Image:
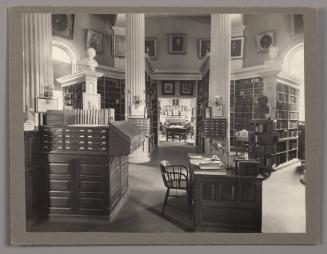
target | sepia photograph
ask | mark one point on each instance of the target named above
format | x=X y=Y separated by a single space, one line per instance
x=124 y=141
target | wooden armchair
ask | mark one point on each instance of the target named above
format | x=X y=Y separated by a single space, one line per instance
x=175 y=177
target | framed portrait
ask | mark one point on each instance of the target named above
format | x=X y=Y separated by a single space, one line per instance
x=204 y=47
x=264 y=41
x=168 y=88
x=151 y=45
x=186 y=88
x=237 y=45
x=94 y=40
x=177 y=44
x=63 y=25
x=119 y=45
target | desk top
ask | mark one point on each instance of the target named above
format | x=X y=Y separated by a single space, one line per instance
x=203 y=162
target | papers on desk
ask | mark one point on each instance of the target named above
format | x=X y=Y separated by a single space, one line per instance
x=196 y=157
x=210 y=172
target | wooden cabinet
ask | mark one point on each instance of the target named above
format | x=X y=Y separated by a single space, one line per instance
x=32 y=173
x=85 y=184
x=227 y=203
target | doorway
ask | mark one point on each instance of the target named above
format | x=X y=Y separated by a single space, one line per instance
x=177 y=121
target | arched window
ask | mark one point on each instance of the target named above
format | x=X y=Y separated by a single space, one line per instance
x=64 y=61
x=294 y=65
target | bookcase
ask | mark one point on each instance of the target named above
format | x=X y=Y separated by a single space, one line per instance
x=244 y=94
x=73 y=95
x=287 y=116
x=263 y=142
x=201 y=104
x=112 y=93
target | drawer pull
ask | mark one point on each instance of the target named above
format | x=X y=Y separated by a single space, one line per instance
x=81 y=130
x=82 y=136
x=67 y=136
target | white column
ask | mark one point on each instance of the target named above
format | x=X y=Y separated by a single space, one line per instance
x=135 y=77
x=220 y=61
x=37 y=57
x=135 y=63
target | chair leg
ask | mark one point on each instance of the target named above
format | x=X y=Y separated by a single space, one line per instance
x=189 y=202
x=165 y=202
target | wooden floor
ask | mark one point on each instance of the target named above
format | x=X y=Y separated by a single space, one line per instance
x=283 y=201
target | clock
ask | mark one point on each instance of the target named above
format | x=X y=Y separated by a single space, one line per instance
x=63 y=25
x=265 y=41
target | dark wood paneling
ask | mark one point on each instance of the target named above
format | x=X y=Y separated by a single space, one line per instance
x=85 y=184
x=32 y=173
x=227 y=203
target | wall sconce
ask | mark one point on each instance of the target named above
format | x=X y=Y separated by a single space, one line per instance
x=137 y=101
x=218 y=101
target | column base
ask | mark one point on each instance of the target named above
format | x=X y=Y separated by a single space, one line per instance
x=139 y=157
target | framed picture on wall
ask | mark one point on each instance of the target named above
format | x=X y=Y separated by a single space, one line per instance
x=237 y=45
x=119 y=45
x=151 y=45
x=94 y=40
x=63 y=25
x=264 y=41
x=177 y=44
x=204 y=47
x=168 y=88
x=187 y=88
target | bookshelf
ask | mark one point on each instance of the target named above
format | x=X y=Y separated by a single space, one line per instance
x=202 y=104
x=244 y=94
x=73 y=95
x=112 y=93
x=263 y=143
x=287 y=116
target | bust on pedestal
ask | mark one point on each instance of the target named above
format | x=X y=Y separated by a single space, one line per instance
x=87 y=75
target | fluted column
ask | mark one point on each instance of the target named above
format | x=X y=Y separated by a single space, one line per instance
x=220 y=61
x=135 y=78
x=37 y=57
x=135 y=63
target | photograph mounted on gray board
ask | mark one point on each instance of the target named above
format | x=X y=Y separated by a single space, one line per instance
x=199 y=141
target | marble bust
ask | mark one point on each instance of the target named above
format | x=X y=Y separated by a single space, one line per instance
x=89 y=62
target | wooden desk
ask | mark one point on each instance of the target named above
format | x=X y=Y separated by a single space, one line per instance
x=180 y=132
x=224 y=202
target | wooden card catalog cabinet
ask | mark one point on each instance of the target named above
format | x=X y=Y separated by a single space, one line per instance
x=124 y=137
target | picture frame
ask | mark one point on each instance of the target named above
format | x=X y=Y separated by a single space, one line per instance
x=204 y=47
x=119 y=45
x=177 y=43
x=94 y=40
x=168 y=88
x=237 y=47
x=151 y=47
x=63 y=25
x=186 y=88
x=265 y=41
